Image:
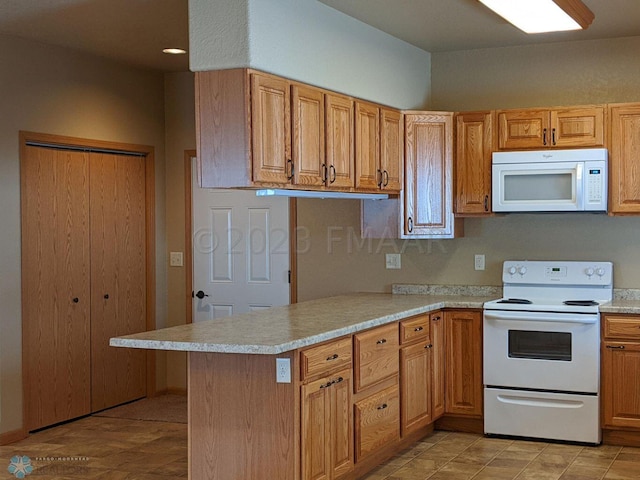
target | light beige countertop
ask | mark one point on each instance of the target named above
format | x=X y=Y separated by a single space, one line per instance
x=619 y=305
x=281 y=329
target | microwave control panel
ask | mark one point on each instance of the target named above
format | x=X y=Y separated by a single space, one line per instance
x=595 y=194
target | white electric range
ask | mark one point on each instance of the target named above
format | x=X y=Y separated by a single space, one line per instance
x=542 y=350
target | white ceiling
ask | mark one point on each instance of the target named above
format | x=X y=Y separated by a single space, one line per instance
x=135 y=31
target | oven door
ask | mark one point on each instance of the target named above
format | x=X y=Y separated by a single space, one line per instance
x=542 y=351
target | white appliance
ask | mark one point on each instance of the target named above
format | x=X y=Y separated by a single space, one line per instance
x=550 y=181
x=541 y=367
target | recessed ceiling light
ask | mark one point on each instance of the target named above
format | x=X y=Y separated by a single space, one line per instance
x=174 y=51
x=541 y=16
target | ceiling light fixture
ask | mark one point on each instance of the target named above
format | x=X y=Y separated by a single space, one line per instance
x=174 y=51
x=541 y=16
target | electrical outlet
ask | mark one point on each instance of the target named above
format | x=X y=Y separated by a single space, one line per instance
x=479 y=262
x=283 y=370
x=392 y=261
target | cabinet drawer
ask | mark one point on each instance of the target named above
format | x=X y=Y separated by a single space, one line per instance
x=414 y=328
x=376 y=355
x=325 y=358
x=377 y=420
x=622 y=327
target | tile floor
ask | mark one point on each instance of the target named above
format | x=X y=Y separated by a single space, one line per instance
x=118 y=449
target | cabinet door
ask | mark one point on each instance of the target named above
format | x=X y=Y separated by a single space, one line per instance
x=621 y=384
x=342 y=436
x=270 y=129
x=428 y=196
x=415 y=381
x=327 y=427
x=463 y=340
x=391 y=149
x=437 y=365
x=473 y=162
x=518 y=129
x=316 y=432
x=624 y=167
x=308 y=135
x=368 y=172
x=377 y=420
x=339 y=137
x=577 y=127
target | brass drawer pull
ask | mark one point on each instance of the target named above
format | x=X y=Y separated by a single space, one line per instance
x=618 y=347
x=418 y=329
x=332 y=357
x=429 y=346
x=381 y=341
x=383 y=406
x=435 y=319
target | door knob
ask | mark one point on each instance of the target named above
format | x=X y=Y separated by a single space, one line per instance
x=201 y=294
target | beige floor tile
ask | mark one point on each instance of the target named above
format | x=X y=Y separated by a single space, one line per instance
x=578 y=472
x=119 y=449
x=497 y=473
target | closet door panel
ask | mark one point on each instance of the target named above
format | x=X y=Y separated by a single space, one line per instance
x=55 y=285
x=117 y=186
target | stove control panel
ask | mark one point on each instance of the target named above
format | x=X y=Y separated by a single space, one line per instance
x=551 y=272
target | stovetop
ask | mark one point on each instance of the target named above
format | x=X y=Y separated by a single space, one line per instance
x=555 y=286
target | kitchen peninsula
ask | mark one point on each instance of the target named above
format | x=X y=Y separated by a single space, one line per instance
x=351 y=400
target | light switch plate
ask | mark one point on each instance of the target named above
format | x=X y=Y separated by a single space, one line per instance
x=175 y=259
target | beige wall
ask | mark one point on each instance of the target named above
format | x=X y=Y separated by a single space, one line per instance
x=333 y=259
x=311 y=42
x=180 y=136
x=52 y=90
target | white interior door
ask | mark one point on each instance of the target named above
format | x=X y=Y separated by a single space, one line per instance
x=240 y=251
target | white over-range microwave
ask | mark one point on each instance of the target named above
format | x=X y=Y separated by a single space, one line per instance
x=550 y=181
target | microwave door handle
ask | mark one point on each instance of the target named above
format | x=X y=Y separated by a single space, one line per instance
x=580 y=186
x=545 y=317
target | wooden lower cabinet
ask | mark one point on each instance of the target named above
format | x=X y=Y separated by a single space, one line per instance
x=377 y=420
x=621 y=379
x=327 y=427
x=415 y=381
x=421 y=372
x=436 y=321
x=375 y=355
x=463 y=366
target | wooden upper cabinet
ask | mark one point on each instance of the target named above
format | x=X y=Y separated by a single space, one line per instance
x=339 y=141
x=624 y=168
x=391 y=150
x=551 y=128
x=578 y=127
x=522 y=128
x=368 y=172
x=379 y=141
x=271 y=129
x=428 y=195
x=474 y=146
x=307 y=135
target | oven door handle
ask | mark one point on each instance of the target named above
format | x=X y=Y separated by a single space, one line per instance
x=546 y=317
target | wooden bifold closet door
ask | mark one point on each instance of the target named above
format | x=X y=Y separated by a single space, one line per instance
x=83 y=254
